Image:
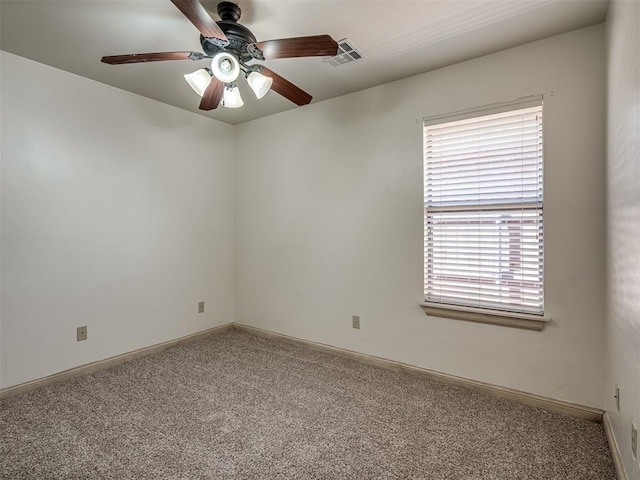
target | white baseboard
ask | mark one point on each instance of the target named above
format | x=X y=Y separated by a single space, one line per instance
x=613 y=446
x=106 y=363
x=574 y=410
x=558 y=406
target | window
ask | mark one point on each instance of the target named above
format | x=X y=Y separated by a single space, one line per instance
x=483 y=211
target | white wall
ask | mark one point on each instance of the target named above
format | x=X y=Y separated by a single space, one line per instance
x=329 y=215
x=117 y=213
x=623 y=228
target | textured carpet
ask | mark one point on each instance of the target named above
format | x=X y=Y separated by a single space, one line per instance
x=237 y=406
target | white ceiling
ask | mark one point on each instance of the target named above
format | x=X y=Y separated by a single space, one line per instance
x=398 y=38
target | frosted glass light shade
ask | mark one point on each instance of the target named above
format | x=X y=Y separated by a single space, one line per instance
x=231 y=97
x=198 y=80
x=259 y=83
x=225 y=67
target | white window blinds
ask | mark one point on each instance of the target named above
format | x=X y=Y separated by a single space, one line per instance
x=483 y=244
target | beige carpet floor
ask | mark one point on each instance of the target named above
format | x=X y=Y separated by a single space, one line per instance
x=237 y=406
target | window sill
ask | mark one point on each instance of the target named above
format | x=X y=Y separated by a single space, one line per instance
x=494 y=317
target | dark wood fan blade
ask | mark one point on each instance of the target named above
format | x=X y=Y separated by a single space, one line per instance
x=287 y=89
x=195 y=12
x=151 y=57
x=314 y=46
x=212 y=95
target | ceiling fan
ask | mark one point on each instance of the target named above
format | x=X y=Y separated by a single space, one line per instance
x=231 y=46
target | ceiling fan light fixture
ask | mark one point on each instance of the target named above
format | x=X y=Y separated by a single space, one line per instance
x=199 y=80
x=230 y=46
x=225 y=67
x=260 y=84
x=231 y=97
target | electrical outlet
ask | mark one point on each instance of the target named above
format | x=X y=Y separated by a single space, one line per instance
x=634 y=439
x=200 y=307
x=81 y=333
x=355 y=321
x=617 y=397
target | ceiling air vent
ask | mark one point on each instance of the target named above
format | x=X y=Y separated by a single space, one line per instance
x=346 y=53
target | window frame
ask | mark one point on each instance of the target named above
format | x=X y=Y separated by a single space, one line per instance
x=498 y=316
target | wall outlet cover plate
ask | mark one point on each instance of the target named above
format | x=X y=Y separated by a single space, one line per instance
x=81 y=333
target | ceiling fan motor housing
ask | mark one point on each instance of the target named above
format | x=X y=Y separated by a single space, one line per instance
x=238 y=35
